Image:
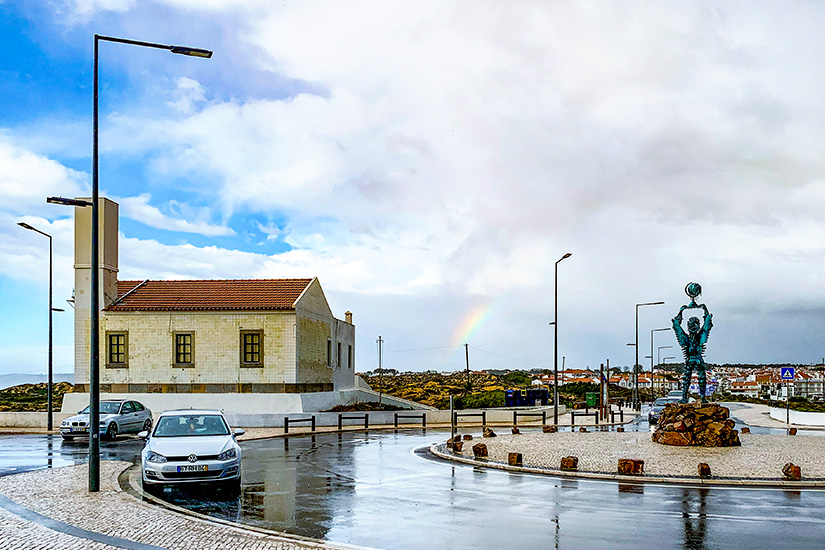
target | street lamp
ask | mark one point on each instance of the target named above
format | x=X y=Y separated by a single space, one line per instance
x=556 y=340
x=51 y=309
x=94 y=340
x=636 y=402
x=652 y=387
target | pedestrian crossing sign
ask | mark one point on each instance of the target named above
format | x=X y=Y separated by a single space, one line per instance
x=788 y=373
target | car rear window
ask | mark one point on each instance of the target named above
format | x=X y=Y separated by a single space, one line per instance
x=191 y=425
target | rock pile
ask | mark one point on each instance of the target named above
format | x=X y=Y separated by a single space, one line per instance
x=699 y=424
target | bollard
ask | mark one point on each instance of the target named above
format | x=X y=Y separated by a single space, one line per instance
x=488 y=432
x=620 y=429
x=631 y=467
x=514 y=459
x=745 y=431
x=583 y=429
x=457 y=445
x=570 y=463
x=548 y=429
x=480 y=450
x=792 y=471
x=468 y=437
x=791 y=431
x=515 y=430
x=704 y=469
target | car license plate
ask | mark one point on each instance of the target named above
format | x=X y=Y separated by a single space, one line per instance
x=77 y=429
x=202 y=468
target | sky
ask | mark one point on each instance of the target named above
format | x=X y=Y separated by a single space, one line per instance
x=430 y=162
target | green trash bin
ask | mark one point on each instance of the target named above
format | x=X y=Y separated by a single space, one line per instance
x=592 y=399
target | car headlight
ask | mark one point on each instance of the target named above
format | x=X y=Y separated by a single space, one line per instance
x=226 y=455
x=152 y=456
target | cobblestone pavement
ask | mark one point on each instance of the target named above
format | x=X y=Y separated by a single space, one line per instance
x=760 y=456
x=76 y=519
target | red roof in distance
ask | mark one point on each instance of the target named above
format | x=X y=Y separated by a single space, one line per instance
x=209 y=295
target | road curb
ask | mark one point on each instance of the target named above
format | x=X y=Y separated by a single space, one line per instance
x=440 y=451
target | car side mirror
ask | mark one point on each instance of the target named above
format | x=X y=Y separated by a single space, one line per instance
x=143 y=435
x=238 y=432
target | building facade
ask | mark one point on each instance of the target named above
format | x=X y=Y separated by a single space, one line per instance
x=185 y=337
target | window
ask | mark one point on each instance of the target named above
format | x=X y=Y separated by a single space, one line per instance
x=138 y=406
x=128 y=408
x=338 y=357
x=329 y=352
x=184 y=352
x=116 y=349
x=252 y=348
x=349 y=356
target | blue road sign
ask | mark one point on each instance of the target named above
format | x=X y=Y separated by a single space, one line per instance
x=788 y=373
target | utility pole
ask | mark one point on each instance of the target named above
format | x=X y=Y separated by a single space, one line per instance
x=467 y=359
x=380 y=368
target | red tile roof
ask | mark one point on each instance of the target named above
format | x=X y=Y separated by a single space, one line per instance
x=209 y=295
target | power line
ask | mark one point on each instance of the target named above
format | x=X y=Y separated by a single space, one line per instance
x=415 y=349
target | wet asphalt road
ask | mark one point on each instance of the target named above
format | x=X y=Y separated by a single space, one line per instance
x=376 y=489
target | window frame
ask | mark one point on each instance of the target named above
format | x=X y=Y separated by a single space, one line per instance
x=243 y=361
x=175 y=356
x=117 y=365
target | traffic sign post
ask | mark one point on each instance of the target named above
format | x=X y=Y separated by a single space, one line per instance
x=787 y=373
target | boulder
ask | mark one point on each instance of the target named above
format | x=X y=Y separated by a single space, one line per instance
x=468 y=437
x=792 y=471
x=570 y=463
x=480 y=450
x=514 y=459
x=488 y=432
x=548 y=429
x=704 y=469
x=697 y=424
x=631 y=467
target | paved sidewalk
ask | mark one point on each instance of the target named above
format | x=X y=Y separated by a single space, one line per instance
x=51 y=509
x=758 y=415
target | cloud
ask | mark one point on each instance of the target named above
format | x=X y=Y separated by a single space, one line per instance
x=187 y=220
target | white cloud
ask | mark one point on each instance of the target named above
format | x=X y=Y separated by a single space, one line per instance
x=186 y=220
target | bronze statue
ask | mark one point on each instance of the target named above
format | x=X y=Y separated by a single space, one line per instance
x=693 y=342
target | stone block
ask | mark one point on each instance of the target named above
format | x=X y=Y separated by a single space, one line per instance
x=746 y=430
x=791 y=431
x=631 y=467
x=480 y=450
x=792 y=472
x=515 y=430
x=704 y=469
x=515 y=459
x=620 y=429
x=583 y=429
x=488 y=432
x=457 y=445
x=570 y=463
x=548 y=429
x=468 y=437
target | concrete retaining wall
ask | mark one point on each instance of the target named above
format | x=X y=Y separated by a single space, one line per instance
x=31 y=419
x=799 y=417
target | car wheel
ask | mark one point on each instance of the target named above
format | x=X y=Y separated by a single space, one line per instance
x=232 y=487
x=147 y=425
x=111 y=431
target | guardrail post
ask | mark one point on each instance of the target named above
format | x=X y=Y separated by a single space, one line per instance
x=313 y=422
x=340 y=421
x=484 y=418
x=286 y=424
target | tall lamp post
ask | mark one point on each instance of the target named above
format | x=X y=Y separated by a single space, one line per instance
x=556 y=340
x=652 y=385
x=659 y=353
x=94 y=340
x=636 y=402
x=49 y=422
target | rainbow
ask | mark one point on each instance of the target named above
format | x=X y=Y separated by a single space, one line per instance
x=472 y=322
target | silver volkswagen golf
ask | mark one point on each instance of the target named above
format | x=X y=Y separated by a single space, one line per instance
x=191 y=446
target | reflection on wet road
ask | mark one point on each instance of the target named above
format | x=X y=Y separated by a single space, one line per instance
x=379 y=489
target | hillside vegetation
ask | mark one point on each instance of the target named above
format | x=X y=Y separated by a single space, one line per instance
x=33 y=397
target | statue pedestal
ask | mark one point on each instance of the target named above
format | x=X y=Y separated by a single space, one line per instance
x=696 y=424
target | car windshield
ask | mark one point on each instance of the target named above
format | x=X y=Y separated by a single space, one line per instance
x=106 y=407
x=662 y=401
x=191 y=425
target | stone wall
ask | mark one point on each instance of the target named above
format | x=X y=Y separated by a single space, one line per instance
x=217 y=355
